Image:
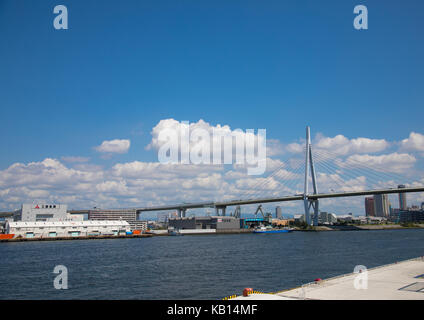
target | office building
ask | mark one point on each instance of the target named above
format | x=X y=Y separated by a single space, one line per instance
x=369 y=207
x=278 y=213
x=381 y=205
x=402 y=199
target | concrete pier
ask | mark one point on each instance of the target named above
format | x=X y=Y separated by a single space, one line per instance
x=398 y=281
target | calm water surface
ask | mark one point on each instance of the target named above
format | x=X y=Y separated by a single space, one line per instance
x=195 y=267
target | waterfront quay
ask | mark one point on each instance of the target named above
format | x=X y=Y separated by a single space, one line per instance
x=147 y=234
x=78 y=238
x=398 y=281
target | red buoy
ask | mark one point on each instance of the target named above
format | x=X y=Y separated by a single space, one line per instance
x=246 y=292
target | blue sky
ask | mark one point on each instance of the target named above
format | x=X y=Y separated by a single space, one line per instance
x=122 y=66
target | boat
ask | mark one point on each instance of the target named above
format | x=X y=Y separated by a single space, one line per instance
x=270 y=230
x=174 y=233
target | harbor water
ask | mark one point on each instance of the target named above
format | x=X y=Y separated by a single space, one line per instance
x=195 y=267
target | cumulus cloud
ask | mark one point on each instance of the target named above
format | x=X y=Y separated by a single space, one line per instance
x=341 y=145
x=334 y=182
x=49 y=172
x=118 y=186
x=393 y=162
x=415 y=142
x=295 y=147
x=128 y=184
x=48 y=179
x=114 y=146
x=139 y=169
x=202 y=143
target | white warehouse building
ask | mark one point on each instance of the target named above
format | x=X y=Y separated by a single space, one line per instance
x=51 y=229
x=41 y=212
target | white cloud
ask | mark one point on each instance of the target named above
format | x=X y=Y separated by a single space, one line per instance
x=295 y=147
x=216 y=135
x=115 y=187
x=340 y=145
x=38 y=193
x=393 y=162
x=415 y=142
x=139 y=169
x=274 y=148
x=114 y=146
x=336 y=183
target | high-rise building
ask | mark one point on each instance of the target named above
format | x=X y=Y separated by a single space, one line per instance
x=402 y=199
x=278 y=212
x=369 y=207
x=381 y=205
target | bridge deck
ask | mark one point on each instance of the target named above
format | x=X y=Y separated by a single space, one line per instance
x=279 y=199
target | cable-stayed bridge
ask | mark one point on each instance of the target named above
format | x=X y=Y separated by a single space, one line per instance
x=343 y=173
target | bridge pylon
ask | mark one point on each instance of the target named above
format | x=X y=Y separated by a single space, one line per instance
x=309 y=166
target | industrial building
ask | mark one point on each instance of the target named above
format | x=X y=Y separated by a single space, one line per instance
x=128 y=215
x=208 y=222
x=52 y=229
x=251 y=223
x=42 y=212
